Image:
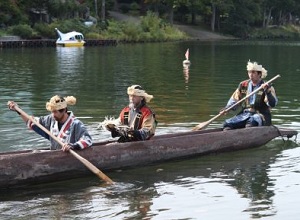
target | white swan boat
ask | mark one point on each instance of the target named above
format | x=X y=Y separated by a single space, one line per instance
x=70 y=39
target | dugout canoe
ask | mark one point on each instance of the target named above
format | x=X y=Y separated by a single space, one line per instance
x=29 y=167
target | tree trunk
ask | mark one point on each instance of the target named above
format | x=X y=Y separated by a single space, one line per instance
x=213 y=17
x=218 y=21
x=116 y=5
x=96 y=8
x=103 y=11
x=264 y=19
x=290 y=21
x=269 y=17
x=280 y=18
x=171 y=18
x=143 y=8
x=193 y=18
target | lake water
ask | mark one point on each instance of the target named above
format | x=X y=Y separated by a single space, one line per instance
x=261 y=183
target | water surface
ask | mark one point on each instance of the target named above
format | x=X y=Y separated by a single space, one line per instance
x=261 y=183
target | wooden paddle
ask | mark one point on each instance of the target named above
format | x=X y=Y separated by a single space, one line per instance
x=206 y=123
x=88 y=164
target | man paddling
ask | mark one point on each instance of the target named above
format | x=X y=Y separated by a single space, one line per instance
x=137 y=117
x=255 y=109
x=61 y=123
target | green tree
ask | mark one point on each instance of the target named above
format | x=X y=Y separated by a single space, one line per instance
x=242 y=17
x=220 y=10
x=11 y=12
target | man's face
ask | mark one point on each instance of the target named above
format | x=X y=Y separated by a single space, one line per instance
x=135 y=100
x=254 y=76
x=58 y=115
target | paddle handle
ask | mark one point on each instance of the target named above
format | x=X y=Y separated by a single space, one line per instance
x=88 y=164
x=205 y=124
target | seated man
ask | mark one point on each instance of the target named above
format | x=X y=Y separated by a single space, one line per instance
x=256 y=108
x=61 y=123
x=137 y=117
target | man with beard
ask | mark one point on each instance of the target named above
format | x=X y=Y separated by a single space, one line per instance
x=137 y=118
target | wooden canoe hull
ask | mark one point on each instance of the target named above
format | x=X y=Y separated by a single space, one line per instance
x=34 y=167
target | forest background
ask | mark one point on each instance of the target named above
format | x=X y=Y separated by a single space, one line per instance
x=246 y=19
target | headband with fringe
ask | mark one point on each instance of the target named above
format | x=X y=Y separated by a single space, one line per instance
x=138 y=91
x=255 y=67
x=58 y=102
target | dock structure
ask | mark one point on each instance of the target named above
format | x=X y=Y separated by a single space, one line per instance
x=100 y=42
x=18 y=43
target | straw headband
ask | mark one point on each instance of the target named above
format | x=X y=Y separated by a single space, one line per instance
x=255 y=67
x=58 y=102
x=138 y=91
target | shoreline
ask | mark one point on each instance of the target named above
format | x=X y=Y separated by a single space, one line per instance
x=50 y=43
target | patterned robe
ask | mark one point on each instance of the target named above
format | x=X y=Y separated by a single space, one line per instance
x=72 y=131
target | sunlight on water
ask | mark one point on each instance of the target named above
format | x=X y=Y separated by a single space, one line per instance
x=284 y=175
x=202 y=199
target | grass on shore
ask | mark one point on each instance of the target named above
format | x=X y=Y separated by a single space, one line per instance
x=291 y=32
x=151 y=28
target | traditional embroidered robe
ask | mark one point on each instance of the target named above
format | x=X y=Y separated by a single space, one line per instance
x=72 y=131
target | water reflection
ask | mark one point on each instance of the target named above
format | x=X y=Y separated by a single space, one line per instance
x=186 y=74
x=241 y=185
x=284 y=172
x=69 y=60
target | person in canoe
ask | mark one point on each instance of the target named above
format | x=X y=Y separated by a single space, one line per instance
x=255 y=109
x=136 y=121
x=61 y=123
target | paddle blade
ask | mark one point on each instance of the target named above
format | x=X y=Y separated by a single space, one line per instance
x=92 y=168
x=200 y=126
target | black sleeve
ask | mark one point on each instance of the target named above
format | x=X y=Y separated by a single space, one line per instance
x=271 y=98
